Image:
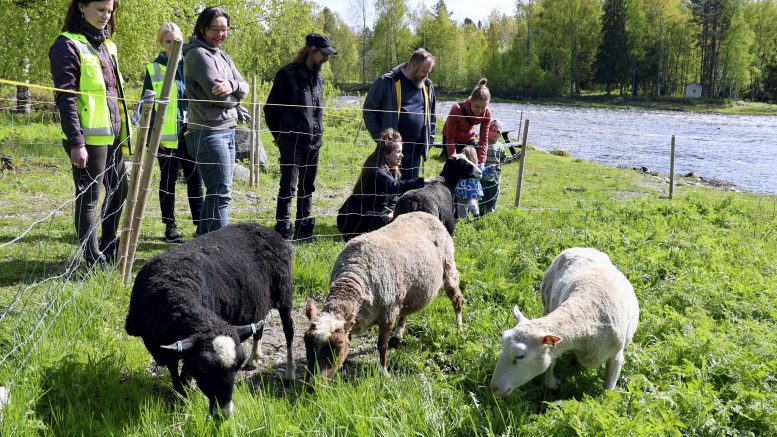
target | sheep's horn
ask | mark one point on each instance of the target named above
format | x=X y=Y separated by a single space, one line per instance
x=180 y=345
x=245 y=331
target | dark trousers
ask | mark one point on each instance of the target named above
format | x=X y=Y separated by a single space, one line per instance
x=354 y=224
x=169 y=160
x=410 y=167
x=299 y=167
x=104 y=167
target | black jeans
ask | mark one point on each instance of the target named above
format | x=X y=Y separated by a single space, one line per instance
x=169 y=160
x=299 y=167
x=104 y=166
x=410 y=167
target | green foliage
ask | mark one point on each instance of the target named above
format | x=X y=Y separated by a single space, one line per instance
x=702 y=363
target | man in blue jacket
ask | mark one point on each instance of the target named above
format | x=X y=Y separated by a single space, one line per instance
x=404 y=99
x=295 y=115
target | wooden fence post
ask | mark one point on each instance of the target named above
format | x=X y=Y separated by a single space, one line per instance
x=252 y=177
x=132 y=195
x=148 y=161
x=521 y=164
x=671 y=170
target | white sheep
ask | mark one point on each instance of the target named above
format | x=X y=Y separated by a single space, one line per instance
x=590 y=311
x=379 y=278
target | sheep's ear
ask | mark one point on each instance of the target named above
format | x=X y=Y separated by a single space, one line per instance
x=180 y=345
x=551 y=340
x=519 y=317
x=311 y=311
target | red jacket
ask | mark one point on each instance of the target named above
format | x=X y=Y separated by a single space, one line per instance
x=460 y=129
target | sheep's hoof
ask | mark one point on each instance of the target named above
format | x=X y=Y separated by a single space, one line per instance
x=393 y=342
x=552 y=384
x=291 y=373
x=251 y=365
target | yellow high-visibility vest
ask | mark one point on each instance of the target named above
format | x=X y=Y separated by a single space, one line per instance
x=92 y=101
x=170 y=126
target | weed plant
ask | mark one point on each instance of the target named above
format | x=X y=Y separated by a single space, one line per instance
x=703 y=361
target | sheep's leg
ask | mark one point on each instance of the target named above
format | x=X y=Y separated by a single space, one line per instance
x=450 y=282
x=383 y=336
x=256 y=349
x=288 y=332
x=613 y=369
x=399 y=333
x=177 y=385
x=551 y=382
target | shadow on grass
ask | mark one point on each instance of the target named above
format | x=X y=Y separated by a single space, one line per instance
x=95 y=398
x=28 y=271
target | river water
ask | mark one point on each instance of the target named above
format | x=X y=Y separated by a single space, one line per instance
x=741 y=149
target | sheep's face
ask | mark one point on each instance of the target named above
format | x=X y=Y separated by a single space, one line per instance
x=458 y=166
x=526 y=353
x=213 y=362
x=326 y=341
x=326 y=354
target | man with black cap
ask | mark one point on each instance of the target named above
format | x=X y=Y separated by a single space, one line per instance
x=294 y=114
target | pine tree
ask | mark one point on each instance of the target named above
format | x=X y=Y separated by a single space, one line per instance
x=612 y=63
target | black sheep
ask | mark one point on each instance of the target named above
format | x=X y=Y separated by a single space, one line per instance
x=196 y=302
x=436 y=198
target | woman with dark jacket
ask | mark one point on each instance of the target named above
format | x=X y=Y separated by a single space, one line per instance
x=95 y=126
x=371 y=206
x=214 y=88
x=172 y=149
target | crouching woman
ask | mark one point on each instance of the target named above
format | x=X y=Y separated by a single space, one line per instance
x=371 y=206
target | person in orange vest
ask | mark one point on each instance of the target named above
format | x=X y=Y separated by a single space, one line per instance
x=172 y=147
x=94 y=120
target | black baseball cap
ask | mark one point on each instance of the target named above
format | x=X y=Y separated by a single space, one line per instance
x=320 y=42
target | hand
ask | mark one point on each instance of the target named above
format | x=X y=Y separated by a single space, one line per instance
x=79 y=156
x=434 y=179
x=222 y=88
x=389 y=213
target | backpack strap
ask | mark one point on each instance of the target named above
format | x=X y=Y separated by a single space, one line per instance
x=466 y=114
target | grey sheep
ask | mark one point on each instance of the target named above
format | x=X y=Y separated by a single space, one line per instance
x=379 y=279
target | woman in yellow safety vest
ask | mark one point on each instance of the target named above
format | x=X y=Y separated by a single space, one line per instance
x=94 y=122
x=172 y=148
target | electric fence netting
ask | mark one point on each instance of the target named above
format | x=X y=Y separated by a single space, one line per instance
x=43 y=284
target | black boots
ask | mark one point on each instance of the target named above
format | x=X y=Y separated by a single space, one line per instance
x=284 y=229
x=171 y=233
x=303 y=230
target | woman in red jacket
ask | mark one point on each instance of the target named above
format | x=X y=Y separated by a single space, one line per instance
x=459 y=128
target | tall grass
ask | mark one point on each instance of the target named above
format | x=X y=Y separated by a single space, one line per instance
x=703 y=361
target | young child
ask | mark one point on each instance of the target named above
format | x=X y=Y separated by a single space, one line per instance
x=468 y=191
x=492 y=173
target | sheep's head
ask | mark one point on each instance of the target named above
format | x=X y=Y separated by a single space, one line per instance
x=526 y=353
x=213 y=359
x=457 y=167
x=326 y=341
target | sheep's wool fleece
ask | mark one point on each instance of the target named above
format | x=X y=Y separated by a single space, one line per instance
x=399 y=267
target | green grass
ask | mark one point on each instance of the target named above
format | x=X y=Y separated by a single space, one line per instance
x=703 y=361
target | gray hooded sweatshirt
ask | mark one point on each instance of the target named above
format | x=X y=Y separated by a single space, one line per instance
x=202 y=65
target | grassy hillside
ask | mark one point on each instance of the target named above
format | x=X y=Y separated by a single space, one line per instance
x=703 y=361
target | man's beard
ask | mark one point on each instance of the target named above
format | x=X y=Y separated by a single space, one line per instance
x=419 y=83
x=316 y=68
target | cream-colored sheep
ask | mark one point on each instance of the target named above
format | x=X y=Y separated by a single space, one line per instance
x=379 y=279
x=590 y=311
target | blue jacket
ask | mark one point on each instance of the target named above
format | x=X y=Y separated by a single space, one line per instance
x=381 y=110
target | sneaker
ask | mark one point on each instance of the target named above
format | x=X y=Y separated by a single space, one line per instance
x=171 y=234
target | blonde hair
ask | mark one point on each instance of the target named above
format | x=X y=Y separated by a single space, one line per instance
x=165 y=29
x=481 y=92
x=470 y=153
